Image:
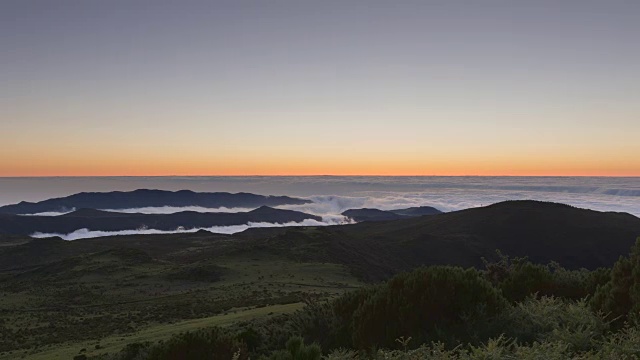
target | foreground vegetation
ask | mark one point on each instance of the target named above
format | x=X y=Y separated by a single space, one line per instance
x=513 y=309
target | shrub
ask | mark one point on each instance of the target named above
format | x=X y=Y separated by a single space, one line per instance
x=433 y=303
x=549 y=319
x=206 y=344
x=250 y=337
x=297 y=350
x=621 y=345
x=519 y=278
x=620 y=296
x=525 y=279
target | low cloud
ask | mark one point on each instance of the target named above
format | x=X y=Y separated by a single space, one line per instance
x=153 y=210
x=444 y=193
x=175 y=209
x=452 y=199
x=86 y=233
x=49 y=213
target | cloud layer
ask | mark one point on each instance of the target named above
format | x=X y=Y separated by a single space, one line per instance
x=86 y=233
x=333 y=195
x=175 y=209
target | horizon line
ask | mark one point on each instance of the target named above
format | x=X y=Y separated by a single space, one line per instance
x=304 y=175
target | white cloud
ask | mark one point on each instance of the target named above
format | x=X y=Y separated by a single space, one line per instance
x=86 y=233
x=175 y=209
x=452 y=199
x=49 y=213
x=337 y=194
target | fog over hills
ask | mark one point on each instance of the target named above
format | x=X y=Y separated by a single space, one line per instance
x=187 y=208
x=98 y=220
x=335 y=194
x=375 y=250
x=149 y=198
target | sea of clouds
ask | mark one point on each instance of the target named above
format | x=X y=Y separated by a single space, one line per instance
x=331 y=195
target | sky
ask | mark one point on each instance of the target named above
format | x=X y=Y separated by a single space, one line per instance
x=347 y=87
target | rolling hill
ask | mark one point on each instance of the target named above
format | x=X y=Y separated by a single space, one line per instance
x=541 y=231
x=138 y=284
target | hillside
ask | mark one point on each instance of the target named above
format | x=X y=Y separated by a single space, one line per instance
x=375 y=250
x=367 y=214
x=541 y=231
x=140 y=284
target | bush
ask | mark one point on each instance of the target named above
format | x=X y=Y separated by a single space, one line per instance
x=519 y=278
x=624 y=344
x=525 y=279
x=549 y=319
x=433 y=303
x=620 y=297
x=297 y=350
x=206 y=344
x=621 y=345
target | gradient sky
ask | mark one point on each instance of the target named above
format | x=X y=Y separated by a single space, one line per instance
x=93 y=87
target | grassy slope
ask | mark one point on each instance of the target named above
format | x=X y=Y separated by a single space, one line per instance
x=127 y=294
x=153 y=333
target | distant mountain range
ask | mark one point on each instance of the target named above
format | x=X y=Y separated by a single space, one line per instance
x=149 y=198
x=376 y=250
x=99 y=220
x=367 y=214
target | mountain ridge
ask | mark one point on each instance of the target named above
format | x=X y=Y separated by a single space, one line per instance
x=574 y=237
x=373 y=214
x=99 y=220
x=149 y=198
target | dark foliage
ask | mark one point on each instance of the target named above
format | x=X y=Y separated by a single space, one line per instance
x=519 y=278
x=620 y=296
x=213 y=343
x=441 y=305
x=296 y=349
x=428 y=304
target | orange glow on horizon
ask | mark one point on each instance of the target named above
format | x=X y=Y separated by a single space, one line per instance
x=198 y=162
x=313 y=172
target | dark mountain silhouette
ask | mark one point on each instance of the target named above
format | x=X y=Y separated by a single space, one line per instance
x=541 y=231
x=112 y=221
x=374 y=251
x=149 y=198
x=417 y=211
x=366 y=214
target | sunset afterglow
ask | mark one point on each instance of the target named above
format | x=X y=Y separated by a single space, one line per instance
x=324 y=88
